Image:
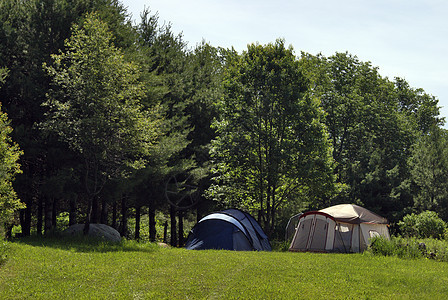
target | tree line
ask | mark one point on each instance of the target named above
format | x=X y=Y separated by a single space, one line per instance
x=105 y=119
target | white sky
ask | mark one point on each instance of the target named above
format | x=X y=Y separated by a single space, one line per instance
x=404 y=38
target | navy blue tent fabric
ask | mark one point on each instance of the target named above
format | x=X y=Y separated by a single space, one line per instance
x=230 y=229
x=259 y=238
x=216 y=234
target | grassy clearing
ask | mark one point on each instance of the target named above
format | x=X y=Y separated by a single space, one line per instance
x=39 y=269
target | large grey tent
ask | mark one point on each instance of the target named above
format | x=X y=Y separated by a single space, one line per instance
x=231 y=229
x=339 y=228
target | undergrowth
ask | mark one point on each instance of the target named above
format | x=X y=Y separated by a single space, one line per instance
x=410 y=248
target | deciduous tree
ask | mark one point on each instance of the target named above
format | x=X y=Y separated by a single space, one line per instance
x=272 y=145
x=9 y=167
x=372 y=123
x=94 y=106
x=429 y=170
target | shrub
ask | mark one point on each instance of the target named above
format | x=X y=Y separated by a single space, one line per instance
x=410 y=248
x=62 y=221
x=424 y=225
x=396 y=246
x=436 y=249
x=280 y=245
x=381 y=246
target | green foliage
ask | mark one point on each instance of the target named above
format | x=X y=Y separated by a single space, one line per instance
x=204 y=72
x=280 y=245
x=30 y=31
x=62 y=221
x=373 y=123
x=9 y=168
x=424 y=225
x=3 y=75
x=284 y=129
x=402 y=248
x=271 y=145
x=94 y=105
x=435 y=249
x=410 y=248
x=429 y=171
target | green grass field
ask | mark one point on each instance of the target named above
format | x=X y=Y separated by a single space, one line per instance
x=51 y=269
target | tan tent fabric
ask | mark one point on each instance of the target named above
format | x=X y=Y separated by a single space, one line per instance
x=339 y=228
x=352 y=213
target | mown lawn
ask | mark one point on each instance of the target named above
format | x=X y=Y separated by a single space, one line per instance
x=38 y=269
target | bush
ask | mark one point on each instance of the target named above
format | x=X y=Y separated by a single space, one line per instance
x=280 y=245
x=381 y=246
x=424 y=225
x=403 y=248
x=410 y=248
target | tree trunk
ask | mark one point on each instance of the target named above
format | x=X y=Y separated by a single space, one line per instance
x=152 y=222
x=181 y=228
x=22 y=219
x=54 y=214
x=88 y=216
x=273 y=210
x=137 y=222
x=72 y=212
x=94 y=216
x=114 y=215
x=48 y=208
x=173 y=226
x=28 y=218
x=261 y=174
x=165 y=232
x=103 y=217
x=25 y=219
x=40 y=209
x=267 y=224
x=124 y=217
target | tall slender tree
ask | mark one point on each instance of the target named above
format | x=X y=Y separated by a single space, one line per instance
x=9 y=167
x=164 y=58
x=429 y=170
x=94 y=107
x=271 y=144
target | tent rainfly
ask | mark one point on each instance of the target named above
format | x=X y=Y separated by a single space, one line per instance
x=340 y=228
x=231 y=229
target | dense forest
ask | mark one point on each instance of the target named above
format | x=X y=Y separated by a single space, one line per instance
x=105 y=120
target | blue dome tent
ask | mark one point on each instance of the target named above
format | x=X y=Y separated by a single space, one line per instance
x=231 y=229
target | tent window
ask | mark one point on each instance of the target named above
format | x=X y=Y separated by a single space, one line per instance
x=343 y=228
x=373 y=233
x=343 y=237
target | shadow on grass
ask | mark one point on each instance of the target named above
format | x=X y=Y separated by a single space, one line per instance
x=86 y=244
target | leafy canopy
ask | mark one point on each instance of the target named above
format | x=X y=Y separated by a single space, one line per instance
x=94 y=105
x=271 y=144
x=9 y=167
